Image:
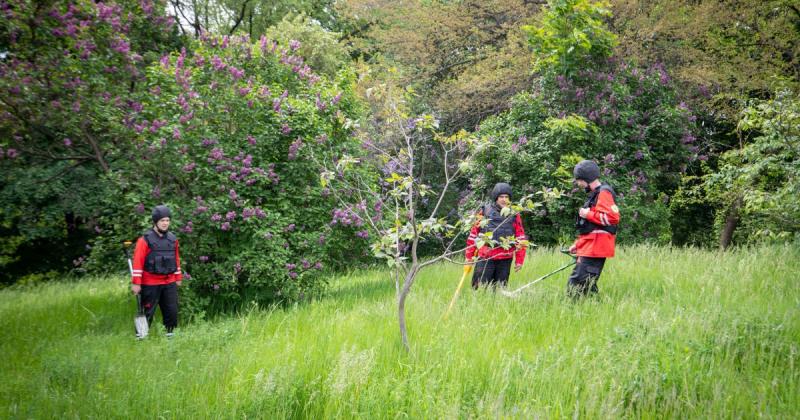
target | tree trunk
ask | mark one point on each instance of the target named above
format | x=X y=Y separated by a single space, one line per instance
x=731 y=221
x=401 y=304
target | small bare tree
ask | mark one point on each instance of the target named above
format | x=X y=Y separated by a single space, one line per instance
x=384 y=190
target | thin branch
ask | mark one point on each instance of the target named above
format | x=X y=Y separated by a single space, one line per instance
x=239 y=18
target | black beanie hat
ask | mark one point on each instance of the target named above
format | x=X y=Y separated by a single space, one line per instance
x=501 y=188
x=586 y=170
x=160 y=212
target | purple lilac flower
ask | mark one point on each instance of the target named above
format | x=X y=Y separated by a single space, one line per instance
x=320 y=105
x=216 y=154
x=236 y=73
x=230 y=215
x=362 y=234
x=203 y=258
x=294 y=147
x=216 y=217
x=121 y=46
x=189 y=167
x=225 y=226
x=217 y=63
x=140 y=208
x=188 y=228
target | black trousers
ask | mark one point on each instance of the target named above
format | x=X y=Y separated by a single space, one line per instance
x=585 y=275
x=491 y=272
x=164 y=296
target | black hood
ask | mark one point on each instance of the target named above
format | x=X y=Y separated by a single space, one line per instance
x=500 y=188
x=586 y=170
x=160 y=212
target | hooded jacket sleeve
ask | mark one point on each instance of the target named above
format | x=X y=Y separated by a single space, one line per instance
x=178 y=274
x=139 y=254
x=519 y=232
x=473 y=234
x=605 y=212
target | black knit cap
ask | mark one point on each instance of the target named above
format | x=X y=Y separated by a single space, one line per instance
x=501 y=188
x=586 y=170
x=160 y=212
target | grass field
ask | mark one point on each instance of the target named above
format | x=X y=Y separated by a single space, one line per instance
x=675 y=333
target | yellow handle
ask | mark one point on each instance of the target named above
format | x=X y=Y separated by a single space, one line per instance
x=467 y=269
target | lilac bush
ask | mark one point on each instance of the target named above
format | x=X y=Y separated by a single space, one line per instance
x=226 y=143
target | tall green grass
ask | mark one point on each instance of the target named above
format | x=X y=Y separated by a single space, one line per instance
x=674 y=333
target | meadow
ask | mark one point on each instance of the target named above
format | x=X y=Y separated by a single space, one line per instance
x=674 y=333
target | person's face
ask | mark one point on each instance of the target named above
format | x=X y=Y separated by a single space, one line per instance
x=581 y=184
x=163 y=224
x=503 y=200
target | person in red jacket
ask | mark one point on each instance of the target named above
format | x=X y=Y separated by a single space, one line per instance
x=597 y=228
x=494 y=263
x=157 y=270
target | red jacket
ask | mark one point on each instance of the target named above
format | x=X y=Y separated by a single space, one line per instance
x=497 y=253
x=599 y=243
x=149 y=279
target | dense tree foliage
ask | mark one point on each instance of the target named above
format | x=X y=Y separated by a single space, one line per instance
x=465 y=59
x=588 y=104
x=721 y=53
x=106 y=109
x=67 y=73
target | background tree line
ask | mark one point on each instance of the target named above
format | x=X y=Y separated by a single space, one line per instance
x=216 y=108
